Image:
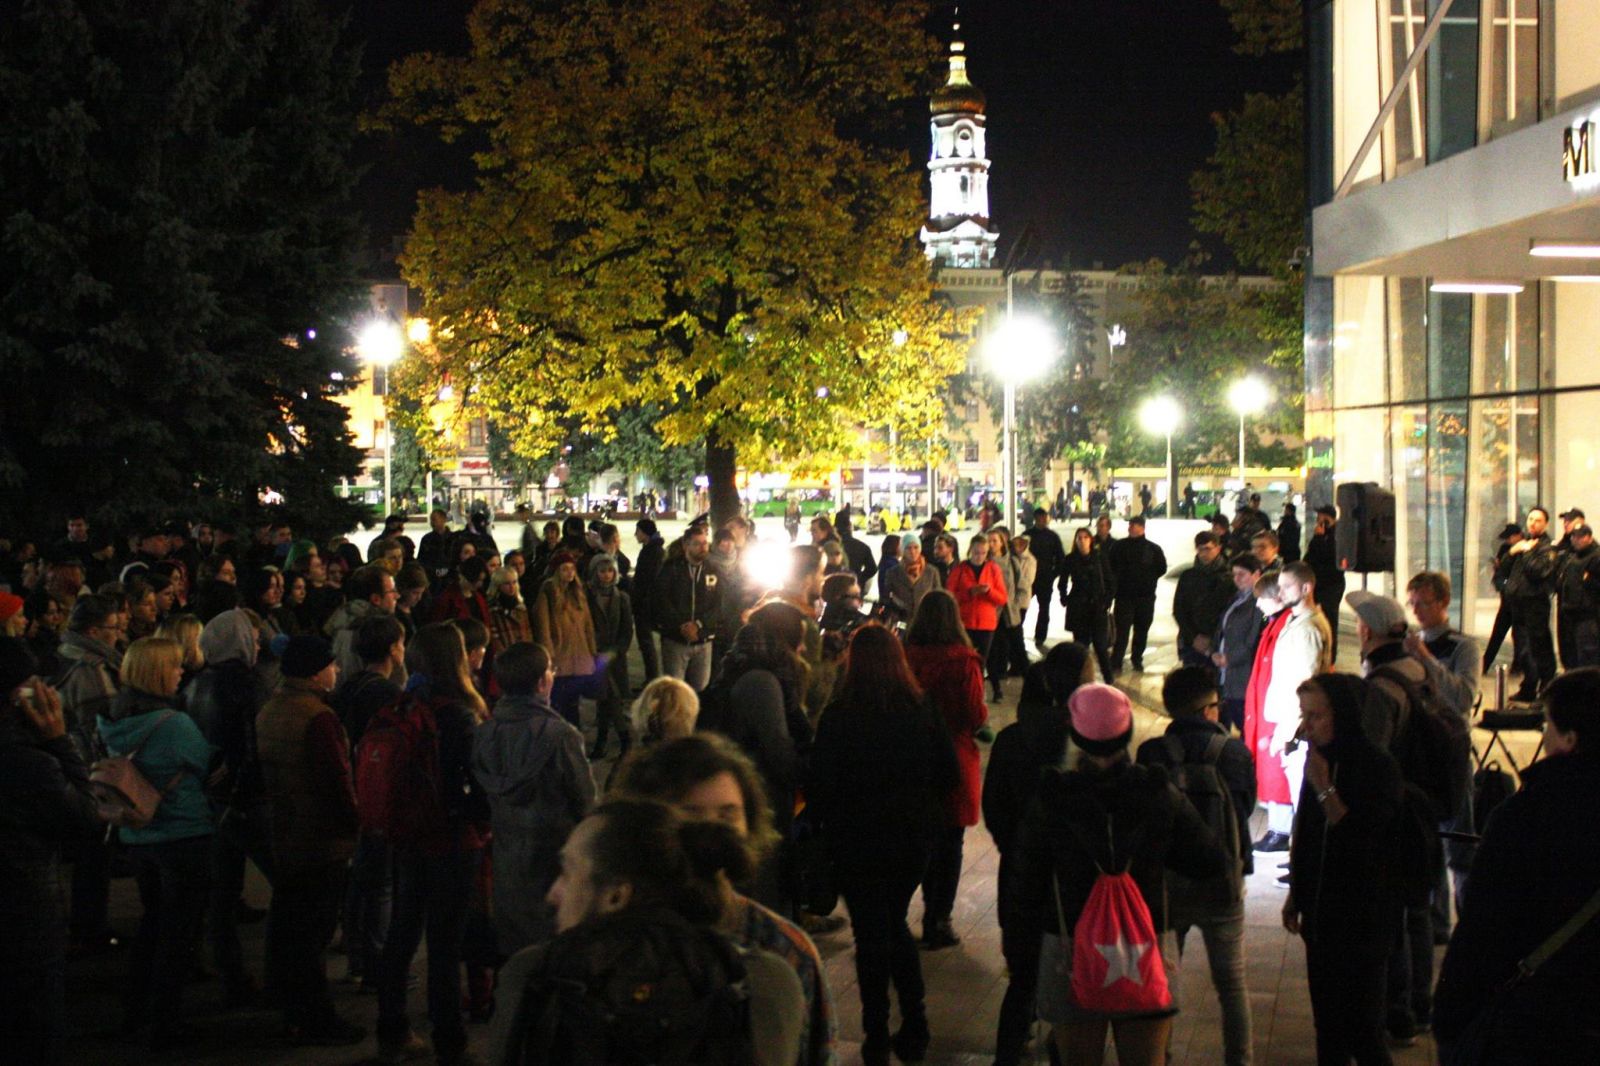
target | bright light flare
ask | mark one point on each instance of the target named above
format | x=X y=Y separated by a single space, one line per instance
x=1021 y=349
x=419 y=331
x=380 y=343
x=1160 y=415
x=1248 y=396
x=766 y=564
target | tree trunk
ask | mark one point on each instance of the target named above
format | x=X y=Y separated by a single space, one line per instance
x=721 y=470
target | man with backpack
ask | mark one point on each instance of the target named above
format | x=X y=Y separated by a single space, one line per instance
x=637 y=972
x=1429 y=742
x=1216 y=773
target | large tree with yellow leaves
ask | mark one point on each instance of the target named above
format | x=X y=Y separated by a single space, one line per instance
x=686 y=203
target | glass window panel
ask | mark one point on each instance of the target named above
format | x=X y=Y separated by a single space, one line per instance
x=1575 y=333
x=1408 y=347
x=1577 y=51
x=1452 y=92
x=1492 y=505
x=1406 y=21
x=1409 y=448
x=1357 y=85
x=1319 y=297
x=1512 y=59
x=1449 y=343
x=1497 y=353
x=1525 y=314
x=1447 y=489
x=1359 y=349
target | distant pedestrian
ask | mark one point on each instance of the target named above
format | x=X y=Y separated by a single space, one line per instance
x=1137 y=566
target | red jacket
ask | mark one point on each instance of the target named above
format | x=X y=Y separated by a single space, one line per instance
x=953 y=678
x=978 y=612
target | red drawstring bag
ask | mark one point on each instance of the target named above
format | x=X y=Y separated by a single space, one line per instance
x=1117 y=967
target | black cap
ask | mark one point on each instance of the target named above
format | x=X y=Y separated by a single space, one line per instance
x=305 y=656
x=1511 y=530
x=1567 y=516
x=1328 y=510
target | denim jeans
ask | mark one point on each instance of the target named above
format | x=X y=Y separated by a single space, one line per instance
x=687 y=662
x=306 y=902
x=1224 y=940
x=885 y=950
x=432 y=894
x=1410 y=991
x=368 y=900
x=174 y=878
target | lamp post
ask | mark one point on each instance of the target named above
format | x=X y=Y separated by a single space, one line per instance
x=1247 y=396
x=1161 y=415
x=381 y=344
x=1019 y=351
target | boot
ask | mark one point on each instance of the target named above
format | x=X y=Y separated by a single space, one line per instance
x=911 y=1042
x=598 y=752
x=996 y=694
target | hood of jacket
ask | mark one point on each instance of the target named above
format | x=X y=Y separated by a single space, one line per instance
x=513 y=748
x=596 y=561
x=349 y=614
x=77 y=647
x=230 y=636
x=129 y=713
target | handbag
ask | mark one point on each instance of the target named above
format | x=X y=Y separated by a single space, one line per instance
x=124 y=798
x=1473 y=1047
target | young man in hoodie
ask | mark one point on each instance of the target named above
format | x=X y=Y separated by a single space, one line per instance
x=530 y=761
x=612 y=612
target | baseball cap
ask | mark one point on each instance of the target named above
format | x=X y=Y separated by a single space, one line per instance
x=1383 y=615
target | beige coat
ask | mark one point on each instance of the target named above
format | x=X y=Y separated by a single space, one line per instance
x=561 y=623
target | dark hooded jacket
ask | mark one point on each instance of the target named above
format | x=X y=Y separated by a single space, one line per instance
x=1339 y=874
x=1021 y=754
x=530 y=762
x=756 y=702
x=1538 y=865
x=224 y=698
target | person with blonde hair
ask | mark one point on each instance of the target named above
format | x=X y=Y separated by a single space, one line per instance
x=171 y=856
x=508 y=615
x=665 y=710
x=185 y=629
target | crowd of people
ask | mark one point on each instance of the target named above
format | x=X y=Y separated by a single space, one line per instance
x=397 y=744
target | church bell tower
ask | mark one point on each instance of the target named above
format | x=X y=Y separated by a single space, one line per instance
x=958 y=232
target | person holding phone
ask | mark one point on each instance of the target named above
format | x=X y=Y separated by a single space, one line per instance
x=45 y=803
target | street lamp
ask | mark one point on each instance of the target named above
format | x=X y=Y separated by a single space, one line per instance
x=1021 y=350
x=1161 y=415
x=1247 y=396
x=381 y=344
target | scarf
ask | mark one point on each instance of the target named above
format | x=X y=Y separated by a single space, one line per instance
x=915 y=567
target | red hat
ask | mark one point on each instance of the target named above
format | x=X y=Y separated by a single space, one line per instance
x=1102 y=718
x=10 y=604
x=562 y=557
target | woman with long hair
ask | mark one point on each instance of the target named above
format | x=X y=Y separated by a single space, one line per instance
x=435 y=874
x=171 y=856
x=946 y=667
x=881 y=770
x=1086 y=592
x=508 y=615
x=562 y=623
x=980 y=591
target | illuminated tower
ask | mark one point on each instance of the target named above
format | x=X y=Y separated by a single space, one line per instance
x=958 y=232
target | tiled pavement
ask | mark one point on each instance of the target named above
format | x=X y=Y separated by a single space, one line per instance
x=965 y=983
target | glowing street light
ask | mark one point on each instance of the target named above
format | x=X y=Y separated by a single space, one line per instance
x=1019 y=351
x=381 y=343
x=1161 y=415
x=1247 y=396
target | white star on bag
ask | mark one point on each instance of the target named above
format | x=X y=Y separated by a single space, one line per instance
x=1122 y=961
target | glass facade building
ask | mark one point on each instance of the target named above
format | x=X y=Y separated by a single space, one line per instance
x=1453 y=300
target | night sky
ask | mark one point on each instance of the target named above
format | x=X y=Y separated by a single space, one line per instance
x=1098 y=112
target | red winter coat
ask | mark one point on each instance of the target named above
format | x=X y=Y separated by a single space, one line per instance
x=953 y=678
x=978 y=612
x=1272 y=784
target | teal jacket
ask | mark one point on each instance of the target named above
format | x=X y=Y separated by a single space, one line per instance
x=174 y=744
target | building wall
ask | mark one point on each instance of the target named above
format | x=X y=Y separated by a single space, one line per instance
x=1471 y=407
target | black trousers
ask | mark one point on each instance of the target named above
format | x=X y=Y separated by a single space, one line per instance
x=1530 y=634
x=1578 y=633
x=650 y=652
x=1093 y=631
x=1019 y=943
x=1041 y=624
x=1132 y=617
x=1347 y=984
x=174 y=878
x=1329 y=600
x=306 y=903
x=885 y=950
x=1497 y=636
x=943 y=877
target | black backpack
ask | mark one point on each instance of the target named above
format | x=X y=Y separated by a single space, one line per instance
x=1415 y=852
x=640 y=987
x=1201 y=782
x=1431 y=744
x=1491 y=786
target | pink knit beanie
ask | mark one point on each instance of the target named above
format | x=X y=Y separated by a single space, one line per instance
x=1102 y=718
